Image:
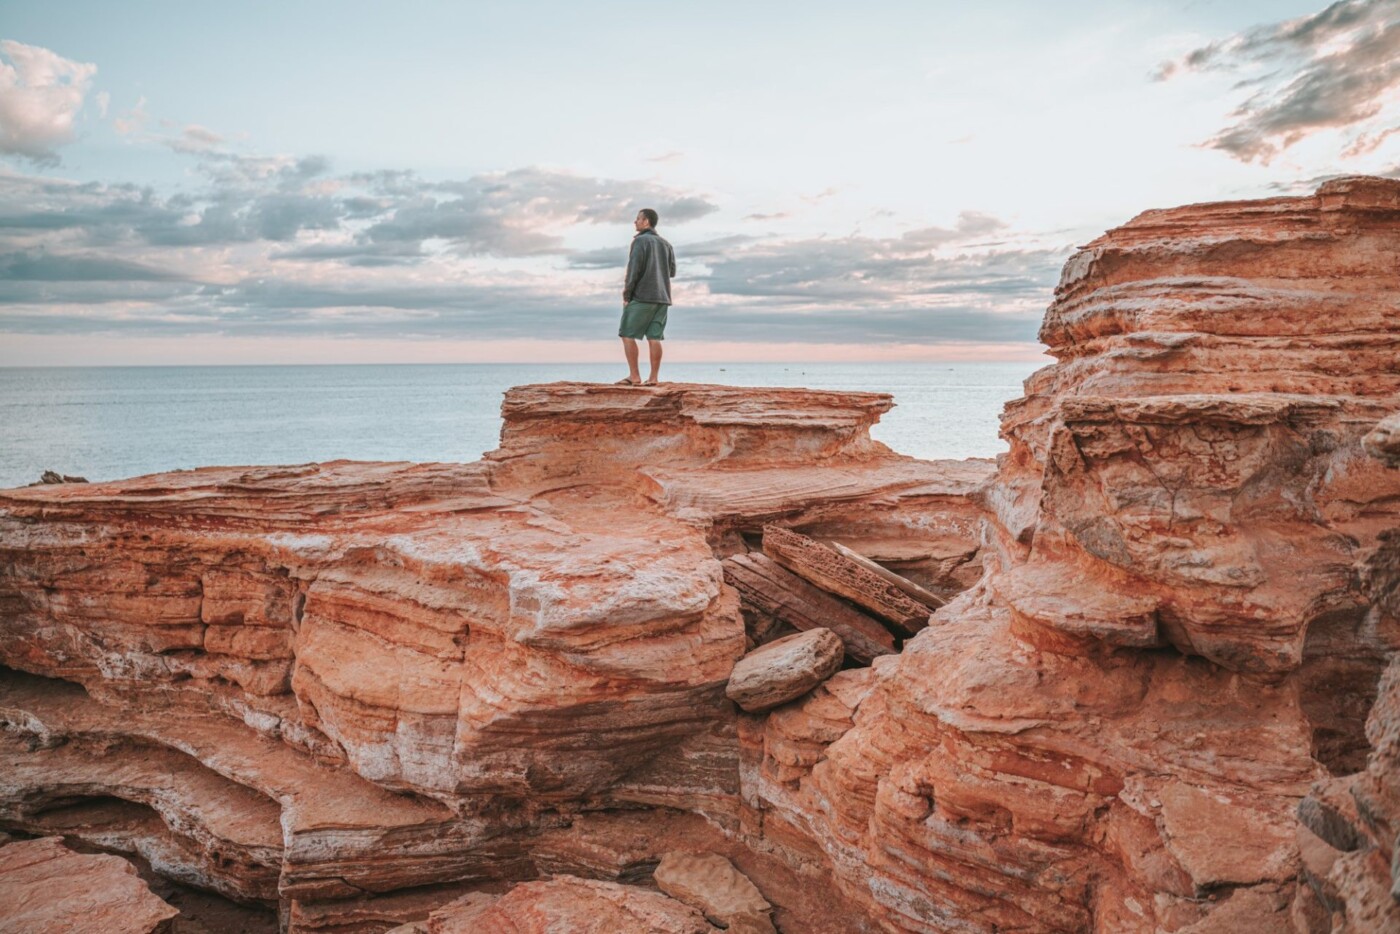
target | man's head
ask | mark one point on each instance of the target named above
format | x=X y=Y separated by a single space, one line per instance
x=646 y=219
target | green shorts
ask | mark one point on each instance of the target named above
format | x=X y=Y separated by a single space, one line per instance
x=643 y=319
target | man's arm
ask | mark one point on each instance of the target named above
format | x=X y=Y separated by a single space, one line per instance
x=671 y=260
x=636 y=265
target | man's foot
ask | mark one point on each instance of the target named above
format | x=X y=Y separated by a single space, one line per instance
x=651 y=382
x=628 y=381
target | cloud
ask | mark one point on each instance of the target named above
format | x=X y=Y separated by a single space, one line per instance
x=1335 y=70
x=41 y=266
x=521 y=213
x=616 y=257
x=1306 y=185
x=133 y=121
x=885 y=269
x=821 y=195
x=393 y=308
x=859 y=269
x=374 y=219
x=356 y=253
x=265 y=246
x=41 y=93
x=196 y=139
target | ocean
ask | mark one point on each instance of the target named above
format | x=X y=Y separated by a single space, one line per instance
x=106 y=423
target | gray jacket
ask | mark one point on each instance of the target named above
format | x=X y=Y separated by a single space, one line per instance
x=650 y=266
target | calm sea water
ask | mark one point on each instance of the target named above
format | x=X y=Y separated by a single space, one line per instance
x=105 y=423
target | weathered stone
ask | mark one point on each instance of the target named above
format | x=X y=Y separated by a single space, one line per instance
x=53 y=476
x=1383 y=441
x=836 y=573
x=784 y=669
x=775 y=591
x=323 y=686
x=1189 y=475
x=1359 y=815
x=46 y=888
x=710 y=883
x=920 y=594
x=578 y=906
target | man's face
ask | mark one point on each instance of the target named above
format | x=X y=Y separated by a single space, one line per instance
x=641 y=223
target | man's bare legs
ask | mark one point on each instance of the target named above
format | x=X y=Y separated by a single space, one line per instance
x=654 y=352
x=633 y=354
x=629 y=349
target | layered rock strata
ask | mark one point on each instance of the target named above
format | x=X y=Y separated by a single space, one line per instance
x=309 y=687
x=1113 y=730
x=371 y=694
x=1350 y=833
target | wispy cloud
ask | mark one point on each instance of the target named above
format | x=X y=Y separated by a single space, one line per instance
x=41 y=93
x=196 y=139
x=865 y=271
x=1337 y=69
x=132 y=121
x=518 y=213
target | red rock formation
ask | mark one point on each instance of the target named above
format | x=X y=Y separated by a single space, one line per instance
x=578 y=906
x=1113 y=730
x=46 y=888
x=459 y=659
x=1350 y=833
x=1178 y=614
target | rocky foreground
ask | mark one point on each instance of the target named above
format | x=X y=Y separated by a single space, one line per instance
x=644 y=668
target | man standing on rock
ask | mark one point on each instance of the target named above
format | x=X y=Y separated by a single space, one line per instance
x=646 y=295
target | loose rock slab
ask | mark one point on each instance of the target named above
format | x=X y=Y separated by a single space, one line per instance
x=769 y=588
x=838 y=574
x=784 y=670
x=710 y=882
x=46 y=888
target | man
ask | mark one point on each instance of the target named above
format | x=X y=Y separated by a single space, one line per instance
x=646 y=295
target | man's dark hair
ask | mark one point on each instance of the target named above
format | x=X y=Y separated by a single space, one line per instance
x=650 y=215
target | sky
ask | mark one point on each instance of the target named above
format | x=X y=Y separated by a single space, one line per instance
x=203 y=183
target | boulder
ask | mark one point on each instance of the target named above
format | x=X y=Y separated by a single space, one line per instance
x=785 y=669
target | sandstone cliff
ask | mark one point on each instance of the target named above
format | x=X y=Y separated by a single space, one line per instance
x=1113 y=729
x=358 y=692
x=303 y=685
